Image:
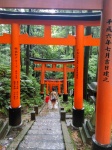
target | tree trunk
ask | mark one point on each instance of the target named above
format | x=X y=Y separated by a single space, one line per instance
x=86 y=62
x=28 y=51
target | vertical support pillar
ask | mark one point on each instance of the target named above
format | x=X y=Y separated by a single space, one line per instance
x=42 y=80
x=59 y=88
x=51 y=86
x=102 y=138
x=86 y=64
x=78 y=110
x=47 y=31
x=54 y=66
x=47 y=92
x=15 y=107
x=65 y=95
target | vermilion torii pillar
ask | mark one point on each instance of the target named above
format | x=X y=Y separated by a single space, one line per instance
x=59 y=88
x=15 y=108
x=42 y=79
x=65 y=95
x=47 y=91
x=102 y=138
x=50 y=87
x=78 y=110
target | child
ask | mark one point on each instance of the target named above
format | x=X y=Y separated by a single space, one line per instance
x=47 y=100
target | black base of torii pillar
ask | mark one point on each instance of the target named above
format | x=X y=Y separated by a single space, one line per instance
x=97 y=146
x=78 y=117
x=14 y=116
x=65 y=97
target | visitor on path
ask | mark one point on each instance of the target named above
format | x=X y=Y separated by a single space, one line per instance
x=53 y=97
x=47 y=98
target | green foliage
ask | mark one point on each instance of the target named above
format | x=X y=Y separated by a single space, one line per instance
x=88 y=109
x=95 y=31
x=30 y=89
x=4 y=55
x=92 y=72
x=68 y=105
x=71 y=83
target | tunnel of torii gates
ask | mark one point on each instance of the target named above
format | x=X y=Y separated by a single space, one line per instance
x=65 y=68
x=102 y=138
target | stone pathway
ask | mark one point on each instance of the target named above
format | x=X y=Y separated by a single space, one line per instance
x=46 y=133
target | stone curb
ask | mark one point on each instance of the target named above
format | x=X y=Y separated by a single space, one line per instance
x=67 y=139
x=19 y=138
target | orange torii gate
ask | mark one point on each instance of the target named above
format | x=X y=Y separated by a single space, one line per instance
x=15 y=39
x=64 y=68
x=53 y=83
x=102 y=139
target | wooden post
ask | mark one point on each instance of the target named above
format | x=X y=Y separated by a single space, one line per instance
x=50 y=86
x=65 y=95
x=102 y=138
x=78 y=111
x=86 y=63
x=47 y=92
x=42 y=79
x=15 y=108
x=59 y=87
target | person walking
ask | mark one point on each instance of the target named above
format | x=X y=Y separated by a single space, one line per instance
x=53 y=97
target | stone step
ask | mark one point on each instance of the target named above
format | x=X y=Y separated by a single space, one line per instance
x=46 y=127
x=41 y=145
x=45 y=133
x=46 y=121
x=48 y=117
x=46 y=137
x=50 y=112
x=52 y=132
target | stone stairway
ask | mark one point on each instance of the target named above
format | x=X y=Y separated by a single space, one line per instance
x=45 y=133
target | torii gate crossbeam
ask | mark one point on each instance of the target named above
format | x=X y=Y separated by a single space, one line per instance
x=51 y=4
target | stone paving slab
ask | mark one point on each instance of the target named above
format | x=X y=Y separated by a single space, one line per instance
x=47 y=124
x=46 y=127
x=42 y=145
x=44 y=132
x=45 y=137
x=49 y=117
x=53 y=116
x=42 y=121
x=49 y=113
